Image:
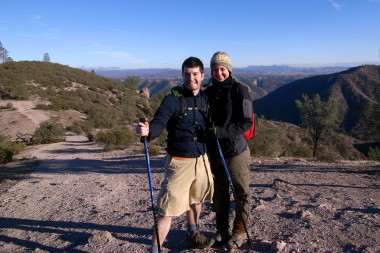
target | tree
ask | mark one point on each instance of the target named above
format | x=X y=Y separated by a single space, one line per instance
x=318 y=116
x=46 y=57
x=132 y=82
x=4 y=54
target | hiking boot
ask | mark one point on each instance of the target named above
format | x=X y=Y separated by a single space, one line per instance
x=197 y=239
x=220 y=238
x=235 y=241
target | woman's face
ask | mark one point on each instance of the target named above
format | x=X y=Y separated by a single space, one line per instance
x=220 y=73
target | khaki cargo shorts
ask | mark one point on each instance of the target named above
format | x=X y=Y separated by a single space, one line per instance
x=187 y=181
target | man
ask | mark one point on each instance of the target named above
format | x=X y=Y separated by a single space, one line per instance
x=231 y=111
x=188 y=180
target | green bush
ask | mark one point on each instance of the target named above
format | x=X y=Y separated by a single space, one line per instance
x=8 y=149
x=80 y=127
x=49 y=131
x=6 y=155
x=116 y=138
x=266 y=142
x=374 y=154
x=296 y=149
x=327 y=156
x=153 y=150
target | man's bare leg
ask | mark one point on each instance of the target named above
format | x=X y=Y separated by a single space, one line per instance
x=163 y=224
x=193 y=214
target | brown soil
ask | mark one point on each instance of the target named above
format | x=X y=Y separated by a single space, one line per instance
x=80 y=199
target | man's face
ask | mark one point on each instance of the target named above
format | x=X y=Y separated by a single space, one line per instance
x=220 y=73
x=192 y=79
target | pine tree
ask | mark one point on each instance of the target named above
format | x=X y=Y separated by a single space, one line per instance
x=4 y=54
x=46 y=58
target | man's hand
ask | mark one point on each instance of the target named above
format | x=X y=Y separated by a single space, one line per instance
x=142 y=129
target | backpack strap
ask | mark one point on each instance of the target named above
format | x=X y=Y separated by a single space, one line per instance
x=184 y=109
x=178 y=92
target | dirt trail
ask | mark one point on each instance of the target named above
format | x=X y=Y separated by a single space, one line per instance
x=27 y=108
x=22 y=119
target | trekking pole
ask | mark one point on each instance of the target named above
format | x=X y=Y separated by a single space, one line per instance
x=143 y=139
x=239 y=208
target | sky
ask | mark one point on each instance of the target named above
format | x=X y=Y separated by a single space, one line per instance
x=137 y=34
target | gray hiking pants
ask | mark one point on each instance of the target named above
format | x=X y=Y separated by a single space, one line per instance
x=238 y=168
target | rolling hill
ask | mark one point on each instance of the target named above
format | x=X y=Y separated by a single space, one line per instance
x=352 y=89
x=106 y=102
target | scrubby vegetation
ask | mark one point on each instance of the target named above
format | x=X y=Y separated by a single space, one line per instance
x=109 y=104
x=275 y=139
x=374 y=154
x=116 y=138
x=49 y=131
x=8 y=149
x=112 y=109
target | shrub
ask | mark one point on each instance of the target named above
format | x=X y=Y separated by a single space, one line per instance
x=374 y=154
x=8 y=106
x=153 y=150
x=116 y=138
x=49 y=131
x=297 y=149
x=80 y=127
x=327 y=156
x=266 y=141
x=8 y=149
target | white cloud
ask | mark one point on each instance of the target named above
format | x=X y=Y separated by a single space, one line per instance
x=335 y=4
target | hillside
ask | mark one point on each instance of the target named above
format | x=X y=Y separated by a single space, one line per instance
x=89 y=104
x=351 y=89
x=106 y=103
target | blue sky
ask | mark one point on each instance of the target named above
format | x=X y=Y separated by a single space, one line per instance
x=162 y=33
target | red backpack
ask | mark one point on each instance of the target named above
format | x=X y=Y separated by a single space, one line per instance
x=250 y=133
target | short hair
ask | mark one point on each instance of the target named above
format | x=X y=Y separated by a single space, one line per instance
x=193 y=62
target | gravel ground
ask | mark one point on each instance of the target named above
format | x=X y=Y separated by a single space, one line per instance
x=80 y=199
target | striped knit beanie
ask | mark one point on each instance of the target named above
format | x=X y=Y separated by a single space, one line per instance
x=221 y=58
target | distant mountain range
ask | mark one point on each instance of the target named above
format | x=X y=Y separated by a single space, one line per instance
x=261 y=79
x=169 y=73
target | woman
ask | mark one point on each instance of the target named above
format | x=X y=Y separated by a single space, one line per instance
x=231 y=113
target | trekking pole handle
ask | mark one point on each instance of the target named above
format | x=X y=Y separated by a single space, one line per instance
x=143 y=120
